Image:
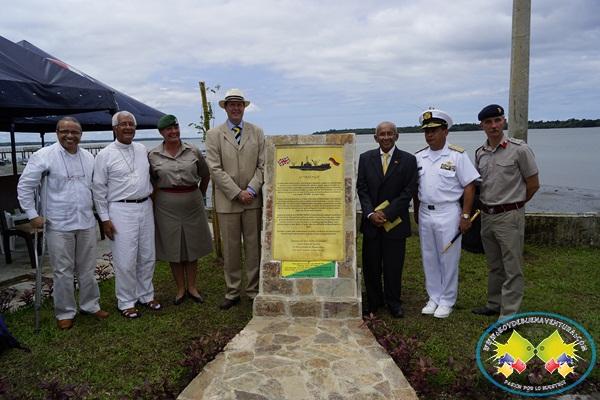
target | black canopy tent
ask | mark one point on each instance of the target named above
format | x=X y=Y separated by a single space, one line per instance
x=146 y=116
x=31 y=85
x=36 y=89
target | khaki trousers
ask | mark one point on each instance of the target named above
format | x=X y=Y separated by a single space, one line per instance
x=70 y=253
x=234 y=226
x=503 y=236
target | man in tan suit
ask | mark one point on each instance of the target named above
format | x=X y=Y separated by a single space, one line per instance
x=235 y=157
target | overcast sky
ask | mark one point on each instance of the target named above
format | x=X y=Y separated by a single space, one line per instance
x=317 y=65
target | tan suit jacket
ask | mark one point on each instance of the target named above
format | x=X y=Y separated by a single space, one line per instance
x=234 y=167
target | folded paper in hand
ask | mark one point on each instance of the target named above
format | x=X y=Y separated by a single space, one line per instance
x=388 y=225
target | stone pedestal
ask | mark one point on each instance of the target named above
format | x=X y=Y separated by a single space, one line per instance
x=337 y=297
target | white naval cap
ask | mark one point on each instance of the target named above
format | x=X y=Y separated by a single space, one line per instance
x=433 y=118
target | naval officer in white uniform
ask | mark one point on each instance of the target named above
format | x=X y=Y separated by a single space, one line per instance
x=445 y=174
x=122 y=190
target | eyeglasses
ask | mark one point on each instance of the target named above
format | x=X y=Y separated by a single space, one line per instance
x=68 y=131
x=126 y=124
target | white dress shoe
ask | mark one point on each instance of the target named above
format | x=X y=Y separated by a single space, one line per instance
x=442 y=311
x=429 y=308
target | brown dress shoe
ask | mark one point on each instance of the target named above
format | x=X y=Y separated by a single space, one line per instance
x=100 y=314
x=64 y=324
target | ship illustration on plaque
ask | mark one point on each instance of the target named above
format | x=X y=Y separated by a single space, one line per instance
x=313 y=165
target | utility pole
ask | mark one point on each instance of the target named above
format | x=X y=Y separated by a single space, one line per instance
x=214 y=216
x=518 y=109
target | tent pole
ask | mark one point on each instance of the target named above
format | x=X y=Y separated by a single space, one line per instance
x=13 y=148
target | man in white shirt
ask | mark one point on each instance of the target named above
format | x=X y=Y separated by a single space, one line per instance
x=122 y=189
x=445 y=175
x=65 y=171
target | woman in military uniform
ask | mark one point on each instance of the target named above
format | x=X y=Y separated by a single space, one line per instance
x=180 y=177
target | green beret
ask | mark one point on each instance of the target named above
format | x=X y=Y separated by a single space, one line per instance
x=166 y=121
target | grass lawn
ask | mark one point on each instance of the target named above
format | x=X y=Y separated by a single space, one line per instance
x=114 y=357
x=558 y=280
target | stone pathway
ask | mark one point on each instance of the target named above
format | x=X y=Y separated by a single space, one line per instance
x=286 y=358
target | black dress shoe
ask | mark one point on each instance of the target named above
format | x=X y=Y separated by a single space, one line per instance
x=485 y=311
x=397 y=312
x=197 y=299
x=179 y=300
x=228 y=303
x=369 y=310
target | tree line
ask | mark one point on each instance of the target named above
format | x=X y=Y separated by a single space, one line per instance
x=569 y=123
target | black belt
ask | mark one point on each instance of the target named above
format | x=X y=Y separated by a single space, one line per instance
x=439 y=205
x=502 y=207
x=134 y=201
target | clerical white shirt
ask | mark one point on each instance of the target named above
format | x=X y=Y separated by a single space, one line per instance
x=66 y=195
x=121 y=172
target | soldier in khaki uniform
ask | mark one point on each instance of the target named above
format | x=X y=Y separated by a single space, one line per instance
x=509 y=177
x=180 y=177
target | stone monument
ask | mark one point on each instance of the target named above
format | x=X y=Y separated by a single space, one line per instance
x=308 y=262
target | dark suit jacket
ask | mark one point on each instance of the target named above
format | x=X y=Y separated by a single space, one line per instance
x=397 y=187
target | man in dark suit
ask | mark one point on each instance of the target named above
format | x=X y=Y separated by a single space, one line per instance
x=387 y=177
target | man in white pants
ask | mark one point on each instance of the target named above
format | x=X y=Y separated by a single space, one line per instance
x=445 y=174
x=66 y=172
x=122 y=189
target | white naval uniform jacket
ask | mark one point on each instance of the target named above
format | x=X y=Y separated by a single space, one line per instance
x=443 y=174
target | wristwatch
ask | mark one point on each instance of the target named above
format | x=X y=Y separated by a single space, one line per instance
x=466 y=216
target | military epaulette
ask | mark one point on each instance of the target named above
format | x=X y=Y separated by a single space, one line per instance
x=424 y=148
x=456 y=148
x=515 y=140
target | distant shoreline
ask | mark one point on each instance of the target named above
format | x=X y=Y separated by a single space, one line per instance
x=37 y=143
x=468 y=127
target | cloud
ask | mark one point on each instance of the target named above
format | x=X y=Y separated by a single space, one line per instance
x=309 y=65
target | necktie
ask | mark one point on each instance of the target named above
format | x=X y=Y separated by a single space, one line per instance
x=385 y=162
x=238 y=133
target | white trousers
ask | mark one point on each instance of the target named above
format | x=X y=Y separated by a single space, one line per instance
x=436 y=229
x=133 y=252
x=73 y=252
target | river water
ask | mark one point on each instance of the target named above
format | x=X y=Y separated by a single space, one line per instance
x=566 y=158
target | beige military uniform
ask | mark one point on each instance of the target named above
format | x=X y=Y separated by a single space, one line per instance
x=182 y=231
x=503 y=172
